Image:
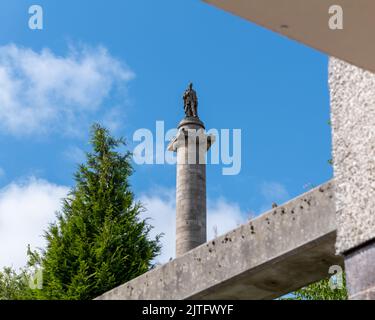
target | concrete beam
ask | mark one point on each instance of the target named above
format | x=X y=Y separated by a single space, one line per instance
x=307 y=21
x=271 y=255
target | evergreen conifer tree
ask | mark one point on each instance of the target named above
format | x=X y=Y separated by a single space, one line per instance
x=99 y=240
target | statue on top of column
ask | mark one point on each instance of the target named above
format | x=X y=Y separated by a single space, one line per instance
x=190 y=102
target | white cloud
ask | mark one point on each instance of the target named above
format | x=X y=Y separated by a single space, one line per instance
x=273 y=192
x=74 y=154
x=161 y=209
x=222 y=216
x=41 y=91
x=26 y=209
x=113 y=120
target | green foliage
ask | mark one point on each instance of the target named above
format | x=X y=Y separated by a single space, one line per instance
x=99 y=240
x=321 y=291
x=16 y=286
x=12 y=285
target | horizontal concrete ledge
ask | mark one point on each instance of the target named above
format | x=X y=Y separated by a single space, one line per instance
x=271 y=255
x=307 y=21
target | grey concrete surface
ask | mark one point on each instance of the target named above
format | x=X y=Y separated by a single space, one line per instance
x=360 y=273
x=353 y=141
x=307 y=21
x=282 y=250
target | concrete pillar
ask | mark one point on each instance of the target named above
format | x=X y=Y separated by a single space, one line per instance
x=191 y=145
x=352 y=93
x=360 y=272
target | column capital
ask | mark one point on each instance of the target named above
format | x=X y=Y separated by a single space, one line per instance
x=191 y=131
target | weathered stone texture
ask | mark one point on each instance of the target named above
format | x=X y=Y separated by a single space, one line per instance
x=191 y=145
x=353 y=132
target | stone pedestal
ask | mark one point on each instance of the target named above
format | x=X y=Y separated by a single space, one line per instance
x=191 y=145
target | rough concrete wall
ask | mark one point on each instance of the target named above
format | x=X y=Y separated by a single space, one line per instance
x=353 y=132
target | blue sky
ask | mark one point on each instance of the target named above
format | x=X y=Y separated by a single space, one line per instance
x=273 y=89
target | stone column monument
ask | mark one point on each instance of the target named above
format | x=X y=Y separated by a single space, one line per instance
x=191 y=145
